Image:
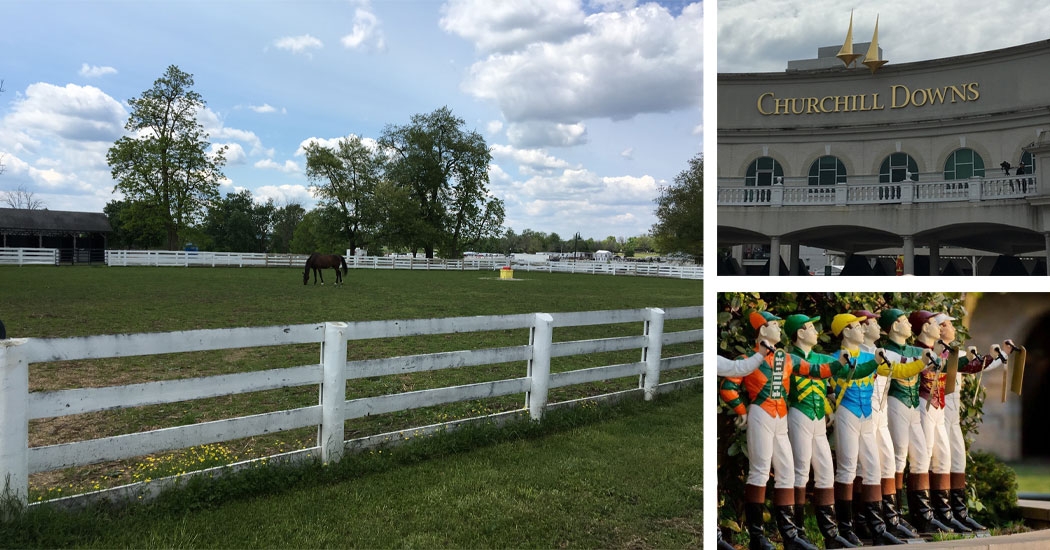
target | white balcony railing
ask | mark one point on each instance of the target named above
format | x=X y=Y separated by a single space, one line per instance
x=733 y=193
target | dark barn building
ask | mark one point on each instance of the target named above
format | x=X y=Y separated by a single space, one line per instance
x=80 y=237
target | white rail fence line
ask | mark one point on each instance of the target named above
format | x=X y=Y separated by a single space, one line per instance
x=179 y=258
x=28 y=256
x=18 y=405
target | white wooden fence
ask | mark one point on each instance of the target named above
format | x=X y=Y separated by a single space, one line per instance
x=18 y=405
x=28 y=256
x=179 y=258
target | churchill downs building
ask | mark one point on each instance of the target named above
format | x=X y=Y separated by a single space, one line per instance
x=922 y=168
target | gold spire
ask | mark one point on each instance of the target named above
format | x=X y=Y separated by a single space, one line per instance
x=846 y=52
x=872 y=58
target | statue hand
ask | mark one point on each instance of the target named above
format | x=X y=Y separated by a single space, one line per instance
x=741 y=421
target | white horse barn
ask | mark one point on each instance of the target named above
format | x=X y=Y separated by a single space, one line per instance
x=603 y=256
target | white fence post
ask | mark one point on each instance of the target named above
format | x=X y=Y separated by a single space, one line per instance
x=654 y=331
x=14 y=422
x=333 y=392
x=540 y=365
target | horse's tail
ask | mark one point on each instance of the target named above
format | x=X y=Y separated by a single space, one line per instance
x=342 y=260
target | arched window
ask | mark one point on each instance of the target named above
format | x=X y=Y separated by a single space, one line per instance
x=963 y=164
x=897 y=167
x=1029 y=162
x=827 y=170
x=762 y=172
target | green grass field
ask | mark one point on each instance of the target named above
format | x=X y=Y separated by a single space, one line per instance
x=627 y=476
x=76 y=301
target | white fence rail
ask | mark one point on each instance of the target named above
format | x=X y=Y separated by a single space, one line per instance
x=18 y=405
x=28 y=256
x=216 y=259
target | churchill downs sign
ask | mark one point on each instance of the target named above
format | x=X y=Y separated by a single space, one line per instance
x=898 y=97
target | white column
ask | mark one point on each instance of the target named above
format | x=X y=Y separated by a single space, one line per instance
x=909 y=255
x=333 y=392
x=774 y=256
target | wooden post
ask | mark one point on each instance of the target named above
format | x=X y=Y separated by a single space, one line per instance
x=333 y=392
x=539 y=371
x=651 y=353
x=14 y=422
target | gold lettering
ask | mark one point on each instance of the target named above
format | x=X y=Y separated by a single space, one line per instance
x=894 y=104
x=759 y=103
x=901 y=96
x=936 y=94
x=916 y=102
x=781 y=103
x=863 y=103
x=842 y=100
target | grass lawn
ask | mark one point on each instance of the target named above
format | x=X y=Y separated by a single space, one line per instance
x=627 y=476
x=41 y=301
x=1032 y=477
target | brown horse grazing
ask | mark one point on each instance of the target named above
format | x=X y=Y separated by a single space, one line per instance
x=317 y=262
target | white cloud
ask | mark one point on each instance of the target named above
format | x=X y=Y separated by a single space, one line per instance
x=300 y=45
x=235 y=154
x=289 y=167
x=508 y=26
x=94 y=71
x=638 y=61
x=75 y=113
x=333 y=143
x=284 y=194
x=494 y=126
x=366 y=31
x=539 y=133
x=264 y=108
x=529 y=161
x=627 y=153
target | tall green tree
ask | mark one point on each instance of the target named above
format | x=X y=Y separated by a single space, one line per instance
x=444 y=169
x=346 y=178
x=164 y=163
x=680 y=212
x=285 y=219
x=237 y=224
x=131 y=229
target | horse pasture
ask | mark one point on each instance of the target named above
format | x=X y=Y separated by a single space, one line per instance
x=80 y=301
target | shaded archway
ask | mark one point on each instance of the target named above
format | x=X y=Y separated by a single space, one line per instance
x=1035 y=393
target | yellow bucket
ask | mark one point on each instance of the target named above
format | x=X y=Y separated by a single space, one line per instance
x=506 y=273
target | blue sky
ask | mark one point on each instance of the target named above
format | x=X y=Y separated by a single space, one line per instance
x=588 y=106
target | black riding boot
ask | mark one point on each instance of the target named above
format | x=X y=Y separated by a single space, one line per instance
x=957 y=497
x=922 y=513
x=754 y=514
x=942 y=510
x=844 y=514
x=879 y=535
x=894 y=522
x=723 y=545
x=790 y=534
x=828 y=528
